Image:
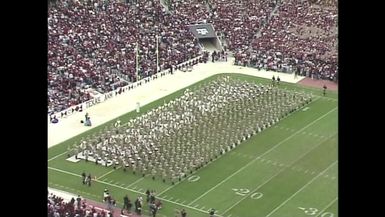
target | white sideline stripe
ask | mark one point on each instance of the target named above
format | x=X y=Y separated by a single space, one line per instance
x=135 y=182
x=107 y=173
x=281 y=170
x=52 y=158
x=69 y=173
x=327 y=206
x=303 y=187
x=128 y=189
x=251 y=162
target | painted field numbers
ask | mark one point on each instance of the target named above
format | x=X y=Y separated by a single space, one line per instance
x=314 y=211
x=242 y=191
x=245 y=191
x=256 y=195
x=193 y=178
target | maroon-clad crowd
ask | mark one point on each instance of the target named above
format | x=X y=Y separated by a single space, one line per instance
x=78 y=207
x=300 y=37
x=92 y=42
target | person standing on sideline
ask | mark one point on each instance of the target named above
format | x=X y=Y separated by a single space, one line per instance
x=212 y=212
x=125 y=204
x=278 y=80
x=183 y=213
x=296 y=72
x=89 y=180
x=324 y=91
x=84 y=178
x=138 y=205
x=148 y=195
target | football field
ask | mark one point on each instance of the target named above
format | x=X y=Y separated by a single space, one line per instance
x=287 y=170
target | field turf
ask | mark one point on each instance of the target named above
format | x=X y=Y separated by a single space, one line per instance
x=287 y=170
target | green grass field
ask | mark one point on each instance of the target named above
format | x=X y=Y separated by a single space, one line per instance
x=287 y=170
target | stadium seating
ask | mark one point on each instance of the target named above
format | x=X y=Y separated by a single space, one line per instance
x=301 y=37
x=92 y=43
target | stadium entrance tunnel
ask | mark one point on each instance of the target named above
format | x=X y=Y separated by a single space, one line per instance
x=210 y=44
x=205 y=33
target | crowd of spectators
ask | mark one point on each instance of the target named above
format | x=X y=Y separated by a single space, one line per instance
x=300 y=38
x=301 y=35
x=238 y=21
x=325 y=3
x=191 y=11
x=58 y=207
x=92 y=43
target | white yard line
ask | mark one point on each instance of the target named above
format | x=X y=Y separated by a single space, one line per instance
x=327 y=206
x=69 y=173
x=303 y=187
x=56 y=156
x=100 y=177
x=276 y=174
x=135 y=182
x=268 y=151
x=128 y=189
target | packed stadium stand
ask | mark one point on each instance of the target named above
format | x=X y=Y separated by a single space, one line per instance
x=96 y=46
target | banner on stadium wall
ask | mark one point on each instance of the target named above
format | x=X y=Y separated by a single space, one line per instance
x=202 y=31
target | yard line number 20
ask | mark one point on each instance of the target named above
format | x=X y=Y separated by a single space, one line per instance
x=245 y=191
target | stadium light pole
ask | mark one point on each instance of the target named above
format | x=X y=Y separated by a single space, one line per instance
x=137 y=61
x=157 y=54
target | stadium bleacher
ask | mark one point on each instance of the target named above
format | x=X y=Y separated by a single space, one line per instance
x=92 y=43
